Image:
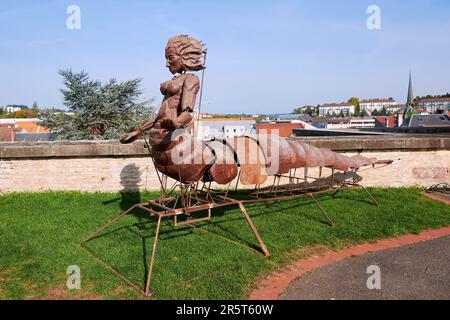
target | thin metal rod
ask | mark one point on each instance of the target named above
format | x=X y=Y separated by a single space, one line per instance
x=107 y=266
x=191 y=222
x=237 y=182
x=337 y=191
x=201 y=96
x=152 y=261
x=255 y=231
x=108 y=224
x=322 y=209
x=370 y=195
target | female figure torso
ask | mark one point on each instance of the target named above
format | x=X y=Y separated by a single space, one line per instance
x=171 y=107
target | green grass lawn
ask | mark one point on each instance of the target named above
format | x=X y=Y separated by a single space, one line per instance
x=40 y=233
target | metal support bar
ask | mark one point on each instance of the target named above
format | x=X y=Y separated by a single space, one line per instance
x=322 y=209
x=255 y=231
x=338 y=190
x=152 y=261
x=108 y=224
x=370 y=195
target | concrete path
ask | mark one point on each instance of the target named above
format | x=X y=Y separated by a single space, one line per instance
x=416 y=271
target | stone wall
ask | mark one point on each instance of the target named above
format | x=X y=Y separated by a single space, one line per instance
x=111 y=167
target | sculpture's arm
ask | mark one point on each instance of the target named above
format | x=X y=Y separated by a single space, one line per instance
x=136 y=134
x=147 y=125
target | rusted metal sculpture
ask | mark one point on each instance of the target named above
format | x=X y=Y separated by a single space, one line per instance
x=248 y=160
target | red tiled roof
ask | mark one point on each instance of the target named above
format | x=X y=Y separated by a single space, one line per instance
x=376 y=100
x=285 y=130
x=342 y=104
x=435 y=100
x=388 y=121
x=30 y=127
x=224 y=119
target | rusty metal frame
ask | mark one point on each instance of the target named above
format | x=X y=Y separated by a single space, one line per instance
x=191 y=199
x=159 y=208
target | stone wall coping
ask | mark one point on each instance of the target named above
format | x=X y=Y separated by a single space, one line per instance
x=113 y=148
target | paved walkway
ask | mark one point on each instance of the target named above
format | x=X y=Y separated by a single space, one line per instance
x=415 y=271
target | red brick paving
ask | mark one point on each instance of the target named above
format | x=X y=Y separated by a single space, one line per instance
x=271 y=287
x=435 y=196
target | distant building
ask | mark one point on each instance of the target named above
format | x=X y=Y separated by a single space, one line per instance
x=371 y=105
x=336 y=123
x=39 y=136
x=25 y=130
x=427 y=121
x=344 y=123
x=7 y=134
x=336 y=108
x=10 y=109
x=207 y=129
x=362 y=122
x=283 y=129
x=284 y=116
x=30 y=125
x=435 y=105
x=205 y=115
x=385 y=121
x=395 y=109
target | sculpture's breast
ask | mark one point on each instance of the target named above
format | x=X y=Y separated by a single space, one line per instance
x=172 y=87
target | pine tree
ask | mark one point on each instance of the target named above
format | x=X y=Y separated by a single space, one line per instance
x=35 y=109
x=99 y=111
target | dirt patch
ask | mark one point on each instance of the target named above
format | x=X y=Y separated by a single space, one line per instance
x=308 y=251
x=5 y=272
x=61 y=292
x=4 y=275
x=119 y=291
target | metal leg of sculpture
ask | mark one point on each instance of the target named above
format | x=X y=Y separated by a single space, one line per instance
x=370 y=195
x=338 y=190
x=322 y=209
x=254 y=230
x=108 y=224
x=147 y=292
x=192 y=221
x=89 y=238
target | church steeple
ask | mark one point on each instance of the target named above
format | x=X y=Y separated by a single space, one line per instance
x=409 y=108
x=410 y=99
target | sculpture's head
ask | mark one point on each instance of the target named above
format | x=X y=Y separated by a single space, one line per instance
x=184 y=54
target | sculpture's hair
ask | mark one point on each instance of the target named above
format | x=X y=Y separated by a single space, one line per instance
x=190 y=50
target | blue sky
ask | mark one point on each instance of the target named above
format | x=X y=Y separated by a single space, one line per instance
x=263 y=56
